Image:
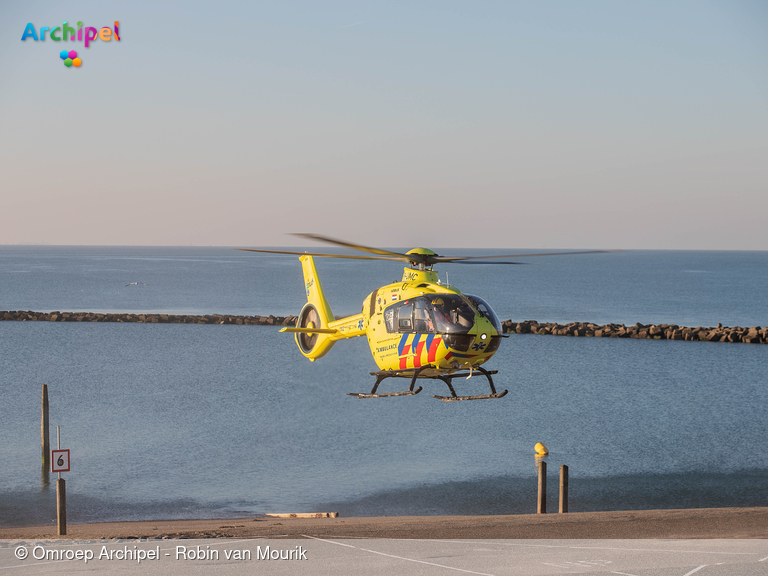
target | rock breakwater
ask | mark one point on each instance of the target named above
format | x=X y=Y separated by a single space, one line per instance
x=719 y=333
x=30 y=316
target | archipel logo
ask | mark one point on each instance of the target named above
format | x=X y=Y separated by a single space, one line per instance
x=70 y=58
x=89 y=34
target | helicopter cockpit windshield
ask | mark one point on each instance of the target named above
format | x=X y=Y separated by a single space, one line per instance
x=452 y=314
x=485 y=309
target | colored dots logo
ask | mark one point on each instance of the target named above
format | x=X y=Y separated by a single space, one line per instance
x=70 y=58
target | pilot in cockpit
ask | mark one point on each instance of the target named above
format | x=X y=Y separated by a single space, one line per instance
x=442 y=316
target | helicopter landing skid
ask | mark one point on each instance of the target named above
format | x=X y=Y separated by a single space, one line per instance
x=380 y=376
x=456 y=398
x=414 y=374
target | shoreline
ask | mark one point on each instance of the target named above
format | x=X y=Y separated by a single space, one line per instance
x=719 y=333
x=696 y=523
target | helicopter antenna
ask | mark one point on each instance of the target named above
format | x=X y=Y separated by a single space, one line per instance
x=446 y=279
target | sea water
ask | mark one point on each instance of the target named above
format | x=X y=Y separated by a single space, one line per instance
x=193 y=421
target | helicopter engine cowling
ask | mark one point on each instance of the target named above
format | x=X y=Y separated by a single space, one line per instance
x=312 y=345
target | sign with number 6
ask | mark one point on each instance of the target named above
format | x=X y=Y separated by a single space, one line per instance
x=59 y=460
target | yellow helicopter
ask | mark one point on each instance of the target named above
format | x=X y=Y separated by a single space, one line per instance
x=416 y=328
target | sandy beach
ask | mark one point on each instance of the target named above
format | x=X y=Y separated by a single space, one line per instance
x=690 y=523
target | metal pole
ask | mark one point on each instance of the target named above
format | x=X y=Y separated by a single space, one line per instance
x=61 y=506
x=541 y=505
x=61 y=495
x=563 y=489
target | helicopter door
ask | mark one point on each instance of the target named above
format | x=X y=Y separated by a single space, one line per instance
x=404 y=319
x=421 y=321
x=410 y=316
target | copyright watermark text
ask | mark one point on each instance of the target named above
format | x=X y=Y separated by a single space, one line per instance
x=138 y=554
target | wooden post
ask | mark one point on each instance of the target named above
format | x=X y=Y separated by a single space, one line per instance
x=44 y=433
x=61 y=506
x=563 y=489
x=541 y=506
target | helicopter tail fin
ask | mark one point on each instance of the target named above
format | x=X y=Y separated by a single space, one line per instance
x=315 y=314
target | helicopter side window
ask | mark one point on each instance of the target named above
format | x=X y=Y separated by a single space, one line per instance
x=404 y=321
x=389 y=319
x=410 y=316
x=421 y=319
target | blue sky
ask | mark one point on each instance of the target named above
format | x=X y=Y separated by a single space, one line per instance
x=446 y=124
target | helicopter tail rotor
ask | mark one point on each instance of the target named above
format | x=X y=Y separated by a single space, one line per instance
x=308 y=319
x=315 y=314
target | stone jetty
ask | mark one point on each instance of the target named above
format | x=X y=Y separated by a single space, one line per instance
x=719 y=333
x=30 y=316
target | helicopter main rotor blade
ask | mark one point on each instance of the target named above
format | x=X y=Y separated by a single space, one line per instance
x=348 y=256
x=360 y=247
x=413 y=258
x=460 y=259
x=482 y=263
